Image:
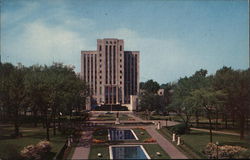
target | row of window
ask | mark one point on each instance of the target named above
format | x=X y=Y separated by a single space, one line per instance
x=100 y=47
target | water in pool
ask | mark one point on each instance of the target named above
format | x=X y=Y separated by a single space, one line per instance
x=128 y=152
x=116 y=135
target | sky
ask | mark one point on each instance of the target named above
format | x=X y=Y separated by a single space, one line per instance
x=175 y=37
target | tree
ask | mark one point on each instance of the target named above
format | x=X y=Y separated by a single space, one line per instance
x=207 y=99
x=12 y=92
x=180 y=100
x=150 y=86
x=236 y=85
x=168 y=93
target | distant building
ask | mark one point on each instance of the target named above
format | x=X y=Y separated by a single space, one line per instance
x=160 y=92
x=112 y=73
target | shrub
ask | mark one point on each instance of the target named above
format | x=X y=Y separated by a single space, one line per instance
x=179 y=128
x=30 y=152
x=224 y=151
x=36 y=152
x=43 y=147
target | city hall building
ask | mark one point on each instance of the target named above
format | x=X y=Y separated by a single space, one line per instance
x=111 y=73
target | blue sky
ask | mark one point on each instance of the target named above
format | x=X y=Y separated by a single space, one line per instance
x=175 y=38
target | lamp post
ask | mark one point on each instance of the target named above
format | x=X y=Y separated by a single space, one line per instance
x=217 y=152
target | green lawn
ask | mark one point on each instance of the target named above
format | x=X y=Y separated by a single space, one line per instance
x=11 y=146
x=100 y=134
x=197 y=140
x=95 y=149
x=141 y=134
x=153 y=148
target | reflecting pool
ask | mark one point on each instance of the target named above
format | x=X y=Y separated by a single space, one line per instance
x=128 y=152
x=117 y=134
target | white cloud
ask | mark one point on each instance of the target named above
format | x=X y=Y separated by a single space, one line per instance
x=40 y=43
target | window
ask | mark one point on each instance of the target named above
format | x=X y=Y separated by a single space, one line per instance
x=100 y=60
x=107 y=42
x=100 y=77
x=120 y=54
x=121 y=77
x=120 y=60
x=100 y=48
x=120 y=71
x=100 y=54
x=120 y=82
x=100 y=82
x=120 y=48
x=120 y=66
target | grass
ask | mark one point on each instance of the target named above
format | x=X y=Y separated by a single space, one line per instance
x=95 y=149
x=183 y=148
x=197 y=140
x=153 y=148
x=101 y=134
x=29 y=136
x=140 y=136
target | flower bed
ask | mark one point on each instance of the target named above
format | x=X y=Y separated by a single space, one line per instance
x=98 y=141
x=149 y=140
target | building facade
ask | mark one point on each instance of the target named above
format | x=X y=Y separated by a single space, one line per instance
x=111 y=73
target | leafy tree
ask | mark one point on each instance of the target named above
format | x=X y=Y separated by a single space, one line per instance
x=12 y=92
x=236 y=85
x=207 y=99
x=150 y=86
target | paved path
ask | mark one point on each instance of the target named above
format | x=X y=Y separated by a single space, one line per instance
x=167 y=146
x=83 y=147
x=219 y=132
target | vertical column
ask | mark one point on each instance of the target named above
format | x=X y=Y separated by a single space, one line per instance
x=91 y=73
x=87 y=69
x=95 y=75
x=108 y=73
x=138 y=73
x=111 y=72
x=131 y=75
x=134 y=74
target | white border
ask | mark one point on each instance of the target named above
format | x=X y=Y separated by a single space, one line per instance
x=111 y=153
x=134 y=134
x=136 y=138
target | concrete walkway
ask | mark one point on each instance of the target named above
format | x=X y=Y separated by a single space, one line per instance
x=83 y=147
x=167 y=146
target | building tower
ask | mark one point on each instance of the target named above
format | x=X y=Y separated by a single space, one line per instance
x=111 y=72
